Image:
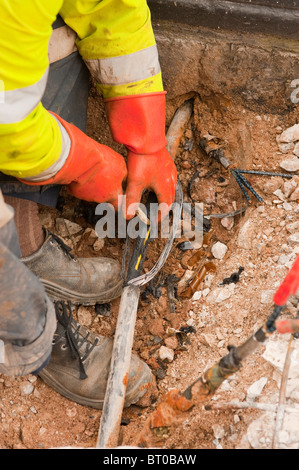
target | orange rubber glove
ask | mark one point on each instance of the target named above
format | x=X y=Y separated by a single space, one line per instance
x=92 y=172
x=138 y=122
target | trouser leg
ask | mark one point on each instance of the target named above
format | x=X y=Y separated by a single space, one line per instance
x=29 y=228
x=27 y=317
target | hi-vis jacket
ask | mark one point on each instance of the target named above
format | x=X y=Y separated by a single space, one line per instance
x=116 y=41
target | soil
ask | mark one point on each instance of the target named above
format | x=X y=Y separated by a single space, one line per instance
x=33 y=416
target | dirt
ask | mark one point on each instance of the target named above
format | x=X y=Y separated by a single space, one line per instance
x=33 y=416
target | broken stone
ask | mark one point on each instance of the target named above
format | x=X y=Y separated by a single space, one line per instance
x=66 y=228
x=61 y=227
x=285 y=147
x=72 y=227
x=218 y=431
x=208 y=339
x=166 y=354
x=287 y=207
x=279 y=194
x=283 y=259
x=26 y=388
x=290 y=164
x=84 y=316
x=227 y=222
x=260 y=431
x=219 y=295
x=98 y=244
x=156 y=327
x=295 y=195
x=290 y=135
x=289 y=187
x=293 y=239
x=196 y=296
x=219 y=250
x=255 y=390
x=226 y=385
x=271 y=185
x=296 y=149
x=171 y=342
x=275 y=354
x=205 y=292
x=246 y=235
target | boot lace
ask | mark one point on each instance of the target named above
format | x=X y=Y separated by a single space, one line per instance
x=74 y=338
x=65 y=248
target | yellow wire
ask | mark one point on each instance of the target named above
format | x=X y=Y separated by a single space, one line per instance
x=140 y=256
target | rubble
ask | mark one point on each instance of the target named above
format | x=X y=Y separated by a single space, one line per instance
x=265 y=241
x=296 y=149
x=290 y=135
x=246 y=234
x=219 y=250
x=255 y=390
x=166 y=354
x=84 y=316
x=26 y=388
x=228 y=222
x=66 y=228
x=290 y=164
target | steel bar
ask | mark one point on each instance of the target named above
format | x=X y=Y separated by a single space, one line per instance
x=240 y=183
x=265 y=173
x=249 y=187
x=121 y=358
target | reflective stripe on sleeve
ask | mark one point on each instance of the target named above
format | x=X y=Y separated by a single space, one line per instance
x=53 y=169
x=125 y=69
x=16 y=105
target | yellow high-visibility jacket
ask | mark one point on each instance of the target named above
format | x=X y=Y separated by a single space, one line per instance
x=116 y=41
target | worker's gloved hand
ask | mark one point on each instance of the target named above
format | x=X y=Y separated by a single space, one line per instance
x=138 y=122
x=152 y=171
x=92 y=171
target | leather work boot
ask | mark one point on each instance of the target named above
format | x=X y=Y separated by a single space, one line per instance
x=80 y=361
x=84 y=281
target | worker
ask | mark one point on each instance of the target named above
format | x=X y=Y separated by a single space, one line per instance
x=40 y=150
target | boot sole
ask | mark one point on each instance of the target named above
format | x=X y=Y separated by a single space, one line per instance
x=97 y=404
x=56 y=292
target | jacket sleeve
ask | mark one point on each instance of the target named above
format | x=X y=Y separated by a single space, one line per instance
x=116 y=41
x=30 y=138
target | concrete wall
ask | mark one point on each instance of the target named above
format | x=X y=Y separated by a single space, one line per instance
x=253 y=69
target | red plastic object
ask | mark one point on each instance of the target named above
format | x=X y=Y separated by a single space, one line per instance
x=289 y=286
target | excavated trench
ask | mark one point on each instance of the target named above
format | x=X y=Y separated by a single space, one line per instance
x=242 y=89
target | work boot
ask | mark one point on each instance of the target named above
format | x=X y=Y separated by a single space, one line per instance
x=80 y=362
x=84 y=281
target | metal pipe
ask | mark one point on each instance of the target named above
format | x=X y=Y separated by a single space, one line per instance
x=120 y=366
